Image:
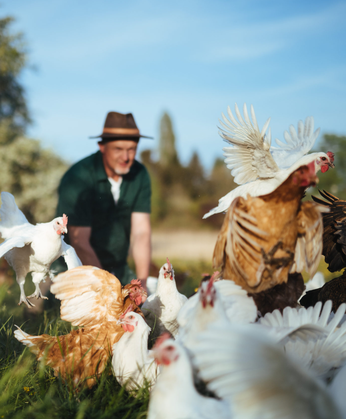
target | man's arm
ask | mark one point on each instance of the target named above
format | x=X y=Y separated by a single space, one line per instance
x=80 y=240
x=141 y=244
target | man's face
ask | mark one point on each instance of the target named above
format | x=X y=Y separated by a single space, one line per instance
x=118 y=156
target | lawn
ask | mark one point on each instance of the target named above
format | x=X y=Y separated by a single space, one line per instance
x=28 y=389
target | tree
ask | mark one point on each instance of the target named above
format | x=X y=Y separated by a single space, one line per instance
x=194 y=178
x=13 y=59
x=28 y=171
x=32 y=175
x=219 y=184
x=168 y=153
x=334 y=180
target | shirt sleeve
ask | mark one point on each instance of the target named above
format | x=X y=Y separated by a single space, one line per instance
x=143 y=198
x=75 y=200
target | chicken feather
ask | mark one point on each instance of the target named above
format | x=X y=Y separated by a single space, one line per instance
x=262 y=239
x=93 y=299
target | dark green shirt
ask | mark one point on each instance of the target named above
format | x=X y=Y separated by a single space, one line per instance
x=85 y=197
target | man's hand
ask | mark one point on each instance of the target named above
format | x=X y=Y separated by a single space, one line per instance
x=141 y=244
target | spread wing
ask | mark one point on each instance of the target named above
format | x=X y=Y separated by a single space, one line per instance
x=17 y=241
x=334 y=234
x=71 y=258
x=309 y=243
x=89 y=296
x=243 y=365
x=249 y=157
x=298 y=143
x=237 y=242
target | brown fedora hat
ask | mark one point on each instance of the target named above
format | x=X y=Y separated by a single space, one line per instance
x=120 y=126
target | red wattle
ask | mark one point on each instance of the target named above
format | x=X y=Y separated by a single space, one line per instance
x=324 y=168
x=128 y=327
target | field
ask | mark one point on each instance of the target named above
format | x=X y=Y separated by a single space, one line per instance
x=28 y=389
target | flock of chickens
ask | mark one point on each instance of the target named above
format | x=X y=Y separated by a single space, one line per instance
x=242 y=346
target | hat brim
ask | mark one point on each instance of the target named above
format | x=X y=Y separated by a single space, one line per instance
x=121 y=136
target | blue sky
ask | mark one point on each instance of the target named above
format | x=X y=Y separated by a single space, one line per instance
x=189 y=58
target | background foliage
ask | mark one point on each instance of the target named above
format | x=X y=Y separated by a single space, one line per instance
x=28 y=171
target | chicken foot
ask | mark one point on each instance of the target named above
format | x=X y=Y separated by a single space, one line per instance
x=38 y=293
x=23 y=297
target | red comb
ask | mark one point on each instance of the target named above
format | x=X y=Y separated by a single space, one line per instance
x=331 y=156
x=169 y=264
x=136 y=282
x=161 y=339
x=129 y=308
x=64 y=220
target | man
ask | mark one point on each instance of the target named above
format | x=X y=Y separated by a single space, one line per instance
x=106 y=197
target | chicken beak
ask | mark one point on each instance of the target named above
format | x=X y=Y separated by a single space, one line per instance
x=331 y=165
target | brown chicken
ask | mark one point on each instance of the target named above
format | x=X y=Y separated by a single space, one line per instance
x=94 y=299
x=264 y=238
x=334 y=233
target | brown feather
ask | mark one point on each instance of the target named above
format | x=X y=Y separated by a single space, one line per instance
x=281 y=296
x=83 y=353
x=257 y=242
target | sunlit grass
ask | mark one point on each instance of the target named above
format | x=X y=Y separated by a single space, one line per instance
x=29 y=389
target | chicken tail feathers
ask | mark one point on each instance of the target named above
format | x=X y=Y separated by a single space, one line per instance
x=10 y=214
x=23 y=337
x=36 y=344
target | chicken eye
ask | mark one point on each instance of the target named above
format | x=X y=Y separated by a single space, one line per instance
x=170 y=348
x=323 y=158
x=130 y=317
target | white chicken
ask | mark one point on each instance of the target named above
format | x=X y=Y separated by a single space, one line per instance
x=215 y=301
x=256 y=166
x=208 y=310
x=32 y=248
x=174 y=395
x=131 y=361
x=161 y=308
x=251 y=372
x=237 y=305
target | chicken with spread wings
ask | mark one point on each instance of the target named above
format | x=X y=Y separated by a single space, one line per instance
x=258 y=167
x=264 y=238
x=93 y=299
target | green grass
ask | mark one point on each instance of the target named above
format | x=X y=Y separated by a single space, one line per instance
x=29 y=389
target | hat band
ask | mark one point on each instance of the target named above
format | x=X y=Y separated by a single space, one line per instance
x=128 y=131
